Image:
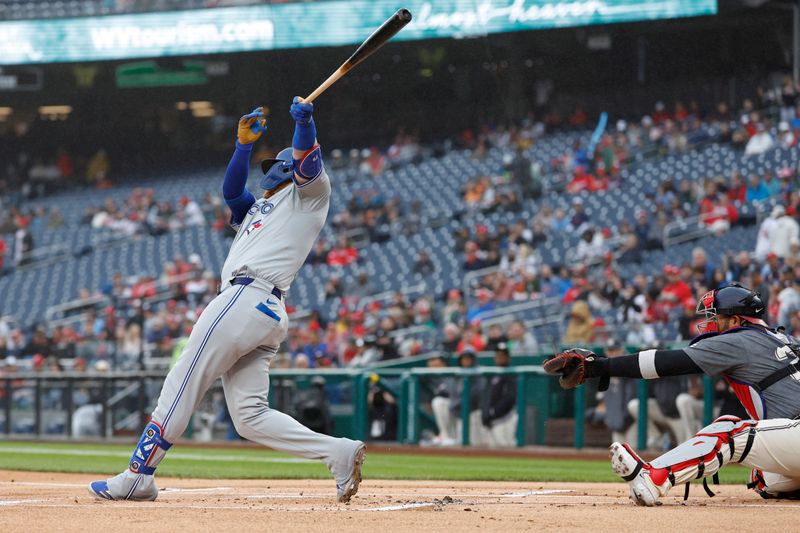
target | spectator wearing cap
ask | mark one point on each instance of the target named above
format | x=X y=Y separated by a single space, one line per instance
x=771 y=271
x=499 y=397
x=612 y=406
x=784 y=231
x=676 y=290
x=484 y=305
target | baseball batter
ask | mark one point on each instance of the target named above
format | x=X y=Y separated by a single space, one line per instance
x=760 y=364
x=241 y=329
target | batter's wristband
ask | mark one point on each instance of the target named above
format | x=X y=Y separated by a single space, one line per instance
x=304 y=135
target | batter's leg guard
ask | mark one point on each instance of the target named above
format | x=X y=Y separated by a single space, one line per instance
x=145 y=457
x=136 y=482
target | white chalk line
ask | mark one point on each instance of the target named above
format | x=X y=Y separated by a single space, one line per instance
x=533 y=493
x=213 y=490
x=417 y=494
x=399 y=507
x=173 y=455
x=13 y=503
x=82 y=485
x=38 y=484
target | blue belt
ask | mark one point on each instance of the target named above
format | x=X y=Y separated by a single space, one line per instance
x=247 y=281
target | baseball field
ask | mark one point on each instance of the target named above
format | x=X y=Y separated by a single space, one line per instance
x=250 y=489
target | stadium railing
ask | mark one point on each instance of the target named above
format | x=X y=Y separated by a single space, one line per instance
x=40 y=404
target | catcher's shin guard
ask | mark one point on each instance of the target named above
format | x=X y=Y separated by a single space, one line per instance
x=727 y=439
x=646 y=484
x=146 y=456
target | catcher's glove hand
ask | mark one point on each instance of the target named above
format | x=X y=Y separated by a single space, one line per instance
x=575 y=365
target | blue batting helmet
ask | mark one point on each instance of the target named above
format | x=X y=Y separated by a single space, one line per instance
x=277 y=171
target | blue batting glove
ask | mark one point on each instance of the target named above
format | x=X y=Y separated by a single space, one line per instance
x=301 y=112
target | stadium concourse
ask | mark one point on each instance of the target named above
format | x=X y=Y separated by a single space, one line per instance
x=541 y=233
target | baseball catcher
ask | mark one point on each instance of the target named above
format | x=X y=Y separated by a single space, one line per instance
x=760 y=364
x=240 y=330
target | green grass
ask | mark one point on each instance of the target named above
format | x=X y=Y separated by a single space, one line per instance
x=263 y=464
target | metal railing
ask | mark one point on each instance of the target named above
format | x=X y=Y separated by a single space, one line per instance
x=419 y=288
x=125 y=399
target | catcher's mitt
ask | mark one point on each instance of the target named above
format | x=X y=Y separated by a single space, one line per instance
x=574 y=366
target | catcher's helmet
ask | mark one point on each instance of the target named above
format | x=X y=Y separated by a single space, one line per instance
x=733 y=300
x=277 y=170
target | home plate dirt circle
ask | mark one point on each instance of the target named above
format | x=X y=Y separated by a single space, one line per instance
x=35 y=501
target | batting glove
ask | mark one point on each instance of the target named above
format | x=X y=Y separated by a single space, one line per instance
x=251 y=126
x=300 y=111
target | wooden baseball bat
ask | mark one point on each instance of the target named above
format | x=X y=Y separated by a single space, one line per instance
x=379 y=37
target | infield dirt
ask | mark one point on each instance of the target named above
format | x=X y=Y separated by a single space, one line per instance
x=32 y=501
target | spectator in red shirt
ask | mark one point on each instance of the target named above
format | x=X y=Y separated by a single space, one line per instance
x=715 y=213
x=676 y=291
x=343 y=253
x=660 y=114
x=583 y=181
x=472 y=339
x=737 y=188
x=578 y=118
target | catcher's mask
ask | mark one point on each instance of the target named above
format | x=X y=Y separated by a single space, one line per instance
x=733 y=300
x=277 y=170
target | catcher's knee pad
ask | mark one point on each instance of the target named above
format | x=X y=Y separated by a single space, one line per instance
x=773 y=486
x=143 y=460
x=726 y=439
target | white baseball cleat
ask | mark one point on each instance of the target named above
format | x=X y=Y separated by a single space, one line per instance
x=125 y=486
x=647 y=484
x=346 y=488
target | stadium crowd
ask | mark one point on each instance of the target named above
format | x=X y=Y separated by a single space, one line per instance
x=127 y=321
